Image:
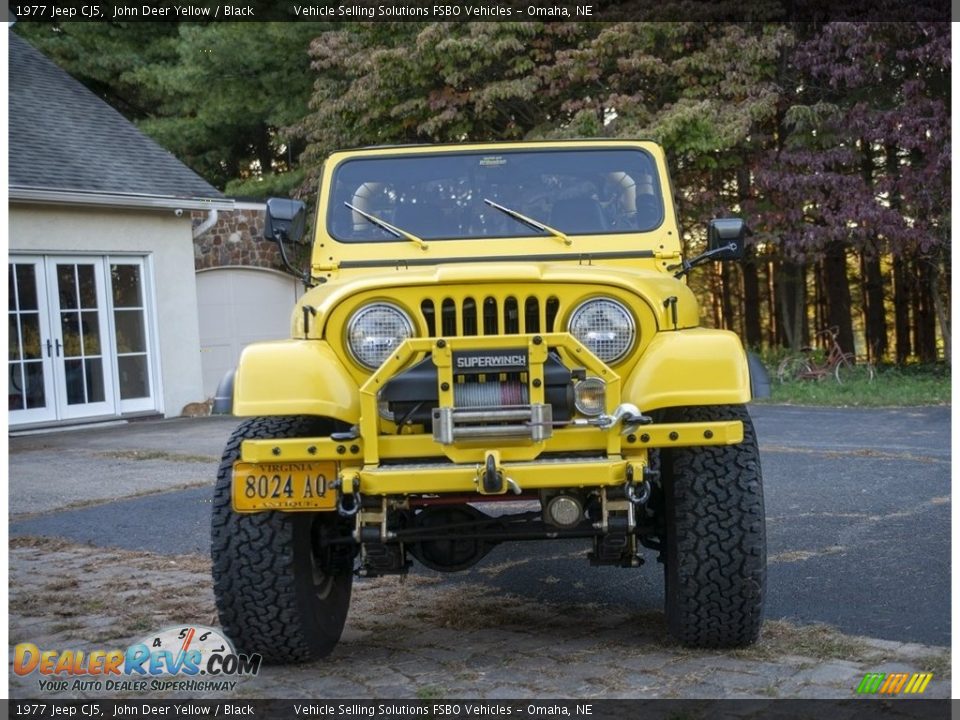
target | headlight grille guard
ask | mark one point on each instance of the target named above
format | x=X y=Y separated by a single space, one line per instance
x=442 y=350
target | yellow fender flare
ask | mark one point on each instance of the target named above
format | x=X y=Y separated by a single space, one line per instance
x=698 y=366
x=294 y=377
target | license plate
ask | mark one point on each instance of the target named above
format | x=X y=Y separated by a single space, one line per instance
x=283 y=486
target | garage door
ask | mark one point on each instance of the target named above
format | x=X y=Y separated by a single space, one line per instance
x=239 y=306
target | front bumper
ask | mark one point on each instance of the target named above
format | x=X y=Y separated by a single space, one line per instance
x=400 y=474
x=374 y=463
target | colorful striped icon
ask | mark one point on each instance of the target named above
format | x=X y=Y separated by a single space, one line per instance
x=894 y=683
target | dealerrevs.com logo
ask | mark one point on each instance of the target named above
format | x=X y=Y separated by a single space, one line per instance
x=185 y=658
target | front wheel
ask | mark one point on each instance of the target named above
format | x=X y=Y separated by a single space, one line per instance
x=715 y=549
x=281 y=589
x=847 y=370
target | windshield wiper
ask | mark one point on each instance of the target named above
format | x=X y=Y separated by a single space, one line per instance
x=530 y=222
x=384 y=225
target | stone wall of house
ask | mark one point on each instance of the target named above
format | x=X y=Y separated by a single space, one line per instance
x=235 y=240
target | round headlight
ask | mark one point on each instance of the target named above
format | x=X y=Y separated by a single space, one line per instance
x=375 y=331
x=605 y=326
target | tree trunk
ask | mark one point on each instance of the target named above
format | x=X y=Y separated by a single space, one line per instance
x=748 y=271
x=264 y=149
x=901 y=308
x=726 y=303
x=791 y=295
x=836 y=285
x=819 y=297
x=774 y=338
x=871 y=277
x=901 y=266
x=875 y=316
x=715 y=299
x=943 y=317
x=924 y=318
x=752 y=333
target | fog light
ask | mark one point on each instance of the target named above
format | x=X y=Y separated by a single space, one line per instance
x=590 y=396
x=564 y=511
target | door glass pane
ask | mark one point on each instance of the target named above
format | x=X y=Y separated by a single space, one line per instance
x=11 y=290
x=26 y=379
x=13 y=339
x=34 y=378
x=126 y=285
x=14 y=387
x=88 y=286
x=134 y=382
x=67 y=286
x=30 y=335
x=90 y=326
x=27 y=287
x=73 y=371
x=130 y=337
x=94 y=373
x=130 y=330
x=70 y=329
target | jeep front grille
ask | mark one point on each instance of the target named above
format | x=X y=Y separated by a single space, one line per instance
x=490 y=315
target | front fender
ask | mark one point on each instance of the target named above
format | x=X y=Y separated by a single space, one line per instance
x=294 y=377
x=698 y=366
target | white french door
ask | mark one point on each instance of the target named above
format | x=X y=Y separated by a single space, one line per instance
x=80 y=344
x=30 y=355
x=82 y=362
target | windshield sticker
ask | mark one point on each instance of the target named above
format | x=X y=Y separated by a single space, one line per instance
x=492 y=161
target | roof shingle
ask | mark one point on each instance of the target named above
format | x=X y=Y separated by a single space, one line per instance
x=63 y=137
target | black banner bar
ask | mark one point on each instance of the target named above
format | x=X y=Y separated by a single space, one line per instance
x=477 y=10
x=859 y=709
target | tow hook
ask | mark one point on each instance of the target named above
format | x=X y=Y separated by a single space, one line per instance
x=491 y=478
x=637 y=494
x=626 y=414
x=355 y=500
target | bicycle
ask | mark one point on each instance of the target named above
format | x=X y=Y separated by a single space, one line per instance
x=842 y=365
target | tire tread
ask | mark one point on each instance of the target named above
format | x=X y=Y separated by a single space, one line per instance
x=716 y=552
x=262 y=606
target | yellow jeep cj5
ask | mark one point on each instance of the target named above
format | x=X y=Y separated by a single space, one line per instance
x=497 y=344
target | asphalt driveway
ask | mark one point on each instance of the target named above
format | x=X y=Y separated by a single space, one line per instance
x=858 y=513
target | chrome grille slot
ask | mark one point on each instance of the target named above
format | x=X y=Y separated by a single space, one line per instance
x=469 y=316
x=450 y=319
x=490 y=324
x=511 y=317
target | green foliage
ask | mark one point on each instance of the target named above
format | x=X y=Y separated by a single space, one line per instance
x=220 y=96
x=107 y=57
x=383 y=83
x=261 y=187
x=230 y=94
x=819 y=134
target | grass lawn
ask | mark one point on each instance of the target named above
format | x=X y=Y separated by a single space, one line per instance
x=892 y=386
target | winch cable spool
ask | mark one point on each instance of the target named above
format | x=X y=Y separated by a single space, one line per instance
x=490 y=394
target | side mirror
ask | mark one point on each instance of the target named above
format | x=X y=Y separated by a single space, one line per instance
x=285 y=220
x=728 y=235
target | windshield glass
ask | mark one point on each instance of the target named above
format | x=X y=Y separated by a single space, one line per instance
x=442 y=196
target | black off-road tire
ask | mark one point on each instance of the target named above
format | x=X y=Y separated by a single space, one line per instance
x=715 y=548
x=273 y=594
